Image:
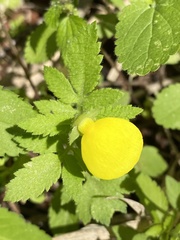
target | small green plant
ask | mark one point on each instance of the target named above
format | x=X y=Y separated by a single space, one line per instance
x=43 y=137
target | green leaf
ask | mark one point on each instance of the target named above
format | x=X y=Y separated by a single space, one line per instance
x=154 y=230
x=52 y=16
x=36 y=176
x=7 y=145
x=13 y=226
x=62 y=218
x=38 y=144
x=102 y=98
x=108 y=102
x=127 y=112
x=13 y=109
x=54 y=107
x=59 y=85
x=152 y=192
x=173 y=192
x=68 y=28
x=123 y=232
x=105 y=191
x=73 y=135
x=167 y=107
x=82 y=60
x=175 y=233
x=72 y=176
x=151 y=162
x=50 y=124
x=102 y=209
x=140 y=236
x=147 y=35
x=41 y=45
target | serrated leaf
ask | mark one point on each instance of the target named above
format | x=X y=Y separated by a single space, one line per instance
x=7 y=145
x=151 y=162
x=102 y=209
x=36 y=177
x=38 y=144
x=152 y=191
x=147 y=35
x=13 y=109
x=49 y=124
x=173 y=192
x=59 y=85
x=166 y=107
x=54 y=107
x=72 y=176
x=62 y=218
x=127 y=112
x=82 y=60
x=95 y=188
x=52 y=16
x=41 y=45
x=102 y=98
x=68 y=28
x=12 y=227
x=107 y=103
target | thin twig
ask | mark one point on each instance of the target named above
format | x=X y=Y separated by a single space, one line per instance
x=16 y=53
x=109 y=60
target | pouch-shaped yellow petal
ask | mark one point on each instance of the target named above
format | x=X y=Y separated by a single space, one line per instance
x=110 y=147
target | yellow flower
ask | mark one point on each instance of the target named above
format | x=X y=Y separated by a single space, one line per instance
x=110 y=146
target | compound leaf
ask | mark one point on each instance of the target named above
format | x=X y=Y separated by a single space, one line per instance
x=102 y=98
x=52 y=16
x=127 y=112
x=54 y=107
x=62 y=217
x=109 y=102
x=7 y=145
x=68 y=28
x=147 y=35
x=20 y=229
x=37 y=176
x=102 y=209
x=37 y=144
x=13 y=109
x=93 y=196
x=82 y=60
x=166 y=107
x=59 y=85
x=72 y=177
x=49 y=124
